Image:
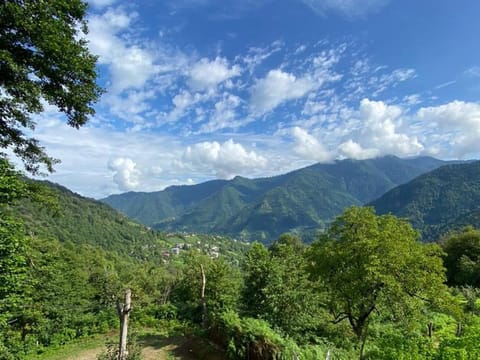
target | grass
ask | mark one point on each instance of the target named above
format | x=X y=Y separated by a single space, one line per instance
x=72 y=349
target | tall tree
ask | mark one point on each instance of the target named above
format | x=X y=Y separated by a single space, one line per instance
x=43 y=59
x=373 y=264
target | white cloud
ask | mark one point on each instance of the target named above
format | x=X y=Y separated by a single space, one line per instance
x=126 y=175
x=183 y=102
x=350 y=8
x=131 y=106
x=383 y=82
x=130 y=65
x=377 y=133
x=206 y=74
x=308 y=147
x=460 y=123
x=380 y=129
x=276 y=88
x=353 y=150
x=224 y=115
x=225 y=160
x=474 y=71
x=256 y=55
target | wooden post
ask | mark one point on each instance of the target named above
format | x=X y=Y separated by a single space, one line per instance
x=204 y=302
x=123 y=310
x=459 y=329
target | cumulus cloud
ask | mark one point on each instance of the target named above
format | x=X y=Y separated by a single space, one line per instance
x=350 y=8
x=308 y=147
x=460 y=122
x=130 y=65
x=378 y=133
x=353 y=150
x=276 y=88
x=126 y=175
x=206 y=74
x=225 y=160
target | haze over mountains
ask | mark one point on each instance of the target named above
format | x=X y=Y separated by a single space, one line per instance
x=302 y=201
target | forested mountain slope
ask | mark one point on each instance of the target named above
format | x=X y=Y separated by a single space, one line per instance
x=444 y=199
x=80 y=220
x=303 y=200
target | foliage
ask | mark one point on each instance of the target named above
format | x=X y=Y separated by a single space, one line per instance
x=464 y=347
x=247 y=338
x=221 y=291
x=43 y=58
x=277 y=288
x=462 y=258
x=392 y=344
x=372 y=264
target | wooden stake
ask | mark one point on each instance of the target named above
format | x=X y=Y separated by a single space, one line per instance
x=123 y=310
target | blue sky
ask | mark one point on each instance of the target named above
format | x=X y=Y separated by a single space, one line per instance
x=204 y=89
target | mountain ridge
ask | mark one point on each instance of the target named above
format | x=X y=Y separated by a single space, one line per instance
x=302 y=201
x=436 y=202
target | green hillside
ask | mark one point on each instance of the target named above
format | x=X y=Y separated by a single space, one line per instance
x=302 y=201
x=82 y=221
x=447 y=198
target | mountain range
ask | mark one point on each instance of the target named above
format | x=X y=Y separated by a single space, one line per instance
x=303 y=201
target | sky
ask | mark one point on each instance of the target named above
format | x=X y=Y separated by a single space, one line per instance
x=205 y=89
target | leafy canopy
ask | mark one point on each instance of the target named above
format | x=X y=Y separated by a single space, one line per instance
x=373 y=264
x=462 y=258
x=43 y=60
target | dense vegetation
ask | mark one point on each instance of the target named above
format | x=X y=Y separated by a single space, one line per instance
x=365 y=287
x=445 y=199
x=302 y=201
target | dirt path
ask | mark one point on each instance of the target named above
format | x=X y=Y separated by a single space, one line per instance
x=90 y=354
x=155 y=347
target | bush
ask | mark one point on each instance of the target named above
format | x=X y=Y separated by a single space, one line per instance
x=254 y=339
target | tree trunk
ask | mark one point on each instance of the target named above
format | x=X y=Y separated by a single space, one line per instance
x=203 y=300
x=123 y=310
x=430 y=329
x=363 y=338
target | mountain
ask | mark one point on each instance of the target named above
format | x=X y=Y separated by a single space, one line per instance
x=302 y=201
x=80 y=220
x=444 y=199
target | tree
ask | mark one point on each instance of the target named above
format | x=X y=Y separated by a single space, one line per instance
x=222 y=289
x=462 y=258
x=373 y=264
x=13 y=245
x=277 y=288
x=43 y=59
